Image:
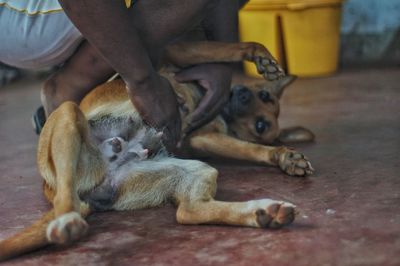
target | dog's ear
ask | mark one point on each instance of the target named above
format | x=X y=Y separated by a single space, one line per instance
x=279 y=86
x=295 y=135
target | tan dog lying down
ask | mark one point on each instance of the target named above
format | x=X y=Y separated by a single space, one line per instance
x=101 y=156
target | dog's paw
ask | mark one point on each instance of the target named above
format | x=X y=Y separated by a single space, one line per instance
x=294 y=163
x=269 y=68
x=66 y=228
x=275 y=214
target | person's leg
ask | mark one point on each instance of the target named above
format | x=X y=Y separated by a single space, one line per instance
x=80 y=74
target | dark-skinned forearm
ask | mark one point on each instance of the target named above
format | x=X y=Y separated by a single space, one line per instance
x=123 y=46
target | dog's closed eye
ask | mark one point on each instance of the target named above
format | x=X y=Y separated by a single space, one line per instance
x=262 y=125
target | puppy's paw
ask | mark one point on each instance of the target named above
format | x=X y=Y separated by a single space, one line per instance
x=269 y=68
x=275 y=214
x=294 y=163
x=66 y=228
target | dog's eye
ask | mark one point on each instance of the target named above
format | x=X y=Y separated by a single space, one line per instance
x=264 y=96
x=262 y=125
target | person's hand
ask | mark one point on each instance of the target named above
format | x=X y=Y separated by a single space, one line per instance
x=155 y=100
x=216 y=80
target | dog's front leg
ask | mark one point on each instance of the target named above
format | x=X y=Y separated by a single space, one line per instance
x=290 y=161
x=192 y=53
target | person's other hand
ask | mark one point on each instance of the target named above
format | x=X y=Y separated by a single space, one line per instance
x=216 y=80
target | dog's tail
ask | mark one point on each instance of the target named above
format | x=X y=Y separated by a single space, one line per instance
x=30 y=239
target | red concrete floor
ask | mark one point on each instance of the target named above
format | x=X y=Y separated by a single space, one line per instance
x=349 y=209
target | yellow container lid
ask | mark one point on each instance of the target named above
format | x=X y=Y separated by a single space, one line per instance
x=290 y=4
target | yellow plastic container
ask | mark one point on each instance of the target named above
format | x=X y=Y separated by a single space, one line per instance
x=302 y=34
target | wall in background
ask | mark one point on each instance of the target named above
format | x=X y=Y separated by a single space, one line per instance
x=371 y=32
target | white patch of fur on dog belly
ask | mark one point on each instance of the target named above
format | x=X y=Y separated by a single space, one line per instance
x=104 y=196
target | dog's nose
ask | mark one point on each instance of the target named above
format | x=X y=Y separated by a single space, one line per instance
x=244 y=95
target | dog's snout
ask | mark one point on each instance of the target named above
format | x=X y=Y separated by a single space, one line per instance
x=244 y=95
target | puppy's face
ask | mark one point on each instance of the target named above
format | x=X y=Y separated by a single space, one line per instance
x=253 y=109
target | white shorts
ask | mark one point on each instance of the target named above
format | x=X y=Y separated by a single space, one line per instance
x=35 y=33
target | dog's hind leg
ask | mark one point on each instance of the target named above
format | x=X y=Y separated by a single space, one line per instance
x=192 y=53
x=196 y=204
x=263 y=213
x=70 y=166
x=192 y=186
